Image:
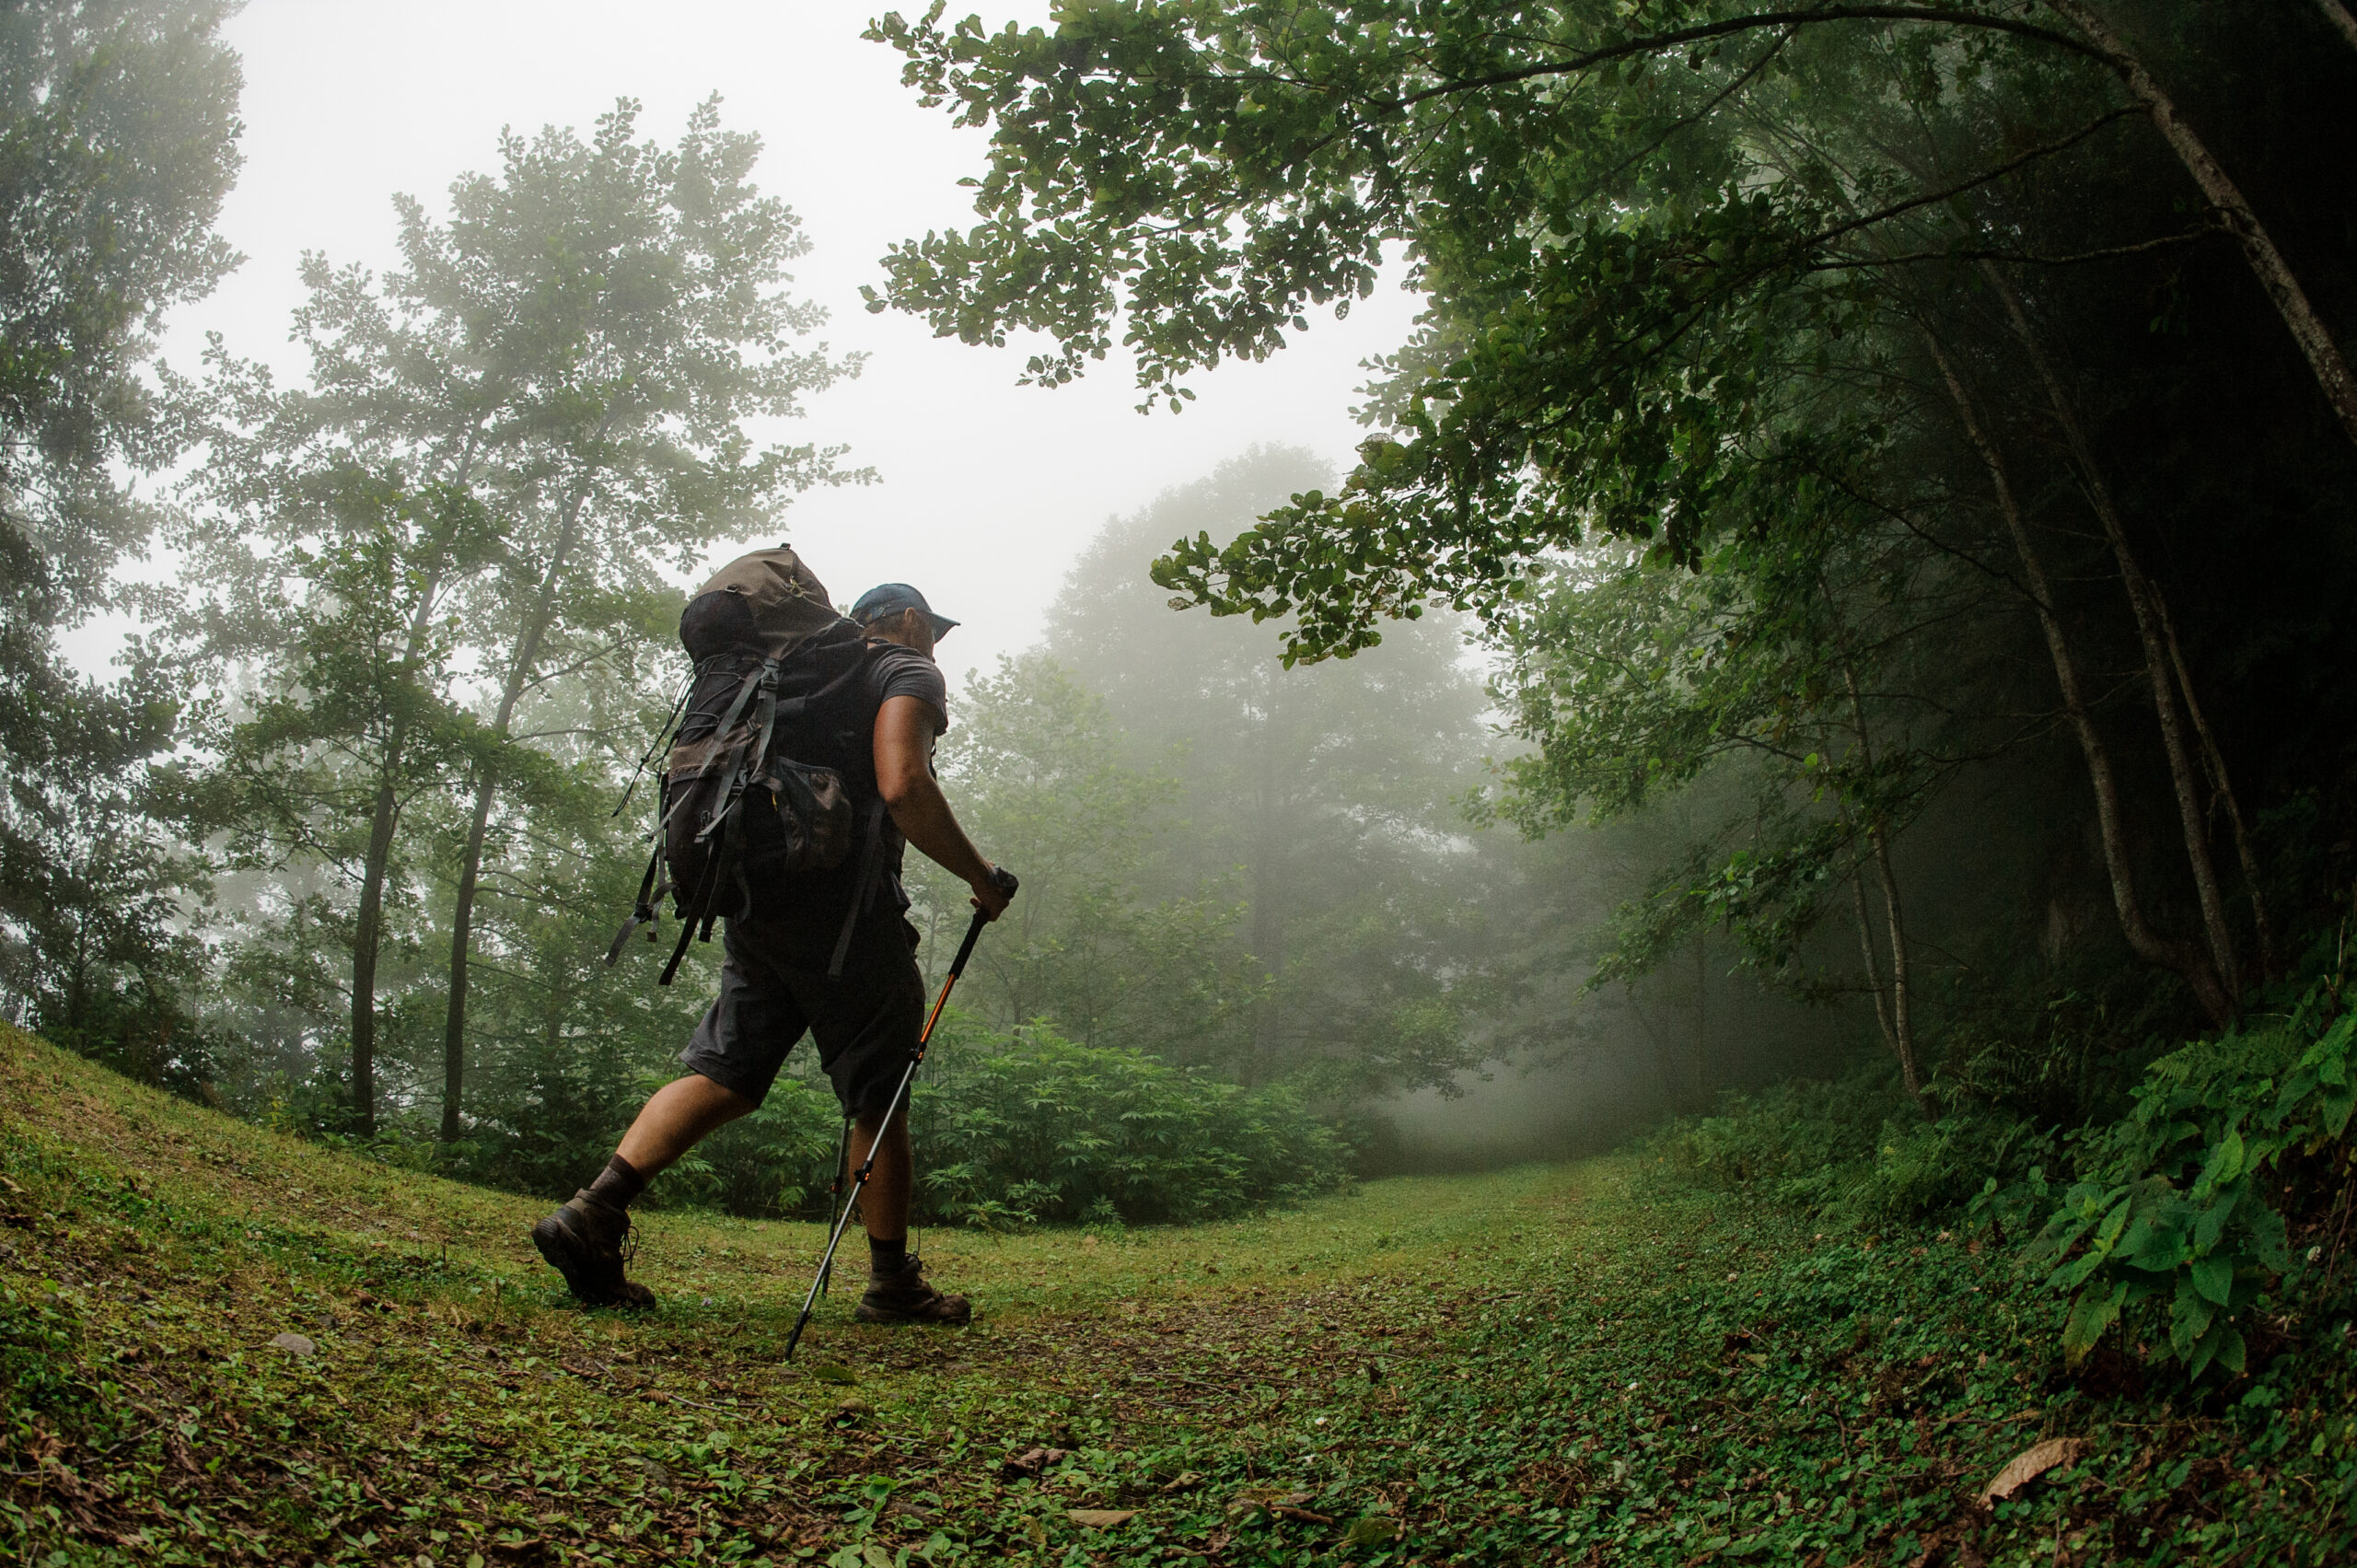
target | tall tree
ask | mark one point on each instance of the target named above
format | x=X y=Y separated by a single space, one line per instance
x=118 y=140
x=1657 y=246
x=580 y=344
x=336 y=603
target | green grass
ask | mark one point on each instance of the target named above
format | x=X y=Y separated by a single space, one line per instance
x=1545 y=1364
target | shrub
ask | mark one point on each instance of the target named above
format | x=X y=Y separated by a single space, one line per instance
x=1025 y=1127
x=2181 y=1206
x=1033 y=1126
x=1851 y=1150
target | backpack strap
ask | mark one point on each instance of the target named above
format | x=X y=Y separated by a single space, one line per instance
x=763 y=680
x=665 y=736
x=643 y=912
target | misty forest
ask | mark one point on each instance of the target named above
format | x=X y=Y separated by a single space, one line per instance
x=1727 y=940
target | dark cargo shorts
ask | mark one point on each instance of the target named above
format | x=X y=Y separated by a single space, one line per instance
x=866 y=1023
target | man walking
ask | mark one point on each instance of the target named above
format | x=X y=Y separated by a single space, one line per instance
x=828 y=952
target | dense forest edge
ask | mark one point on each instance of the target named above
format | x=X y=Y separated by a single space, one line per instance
x=1747 y=908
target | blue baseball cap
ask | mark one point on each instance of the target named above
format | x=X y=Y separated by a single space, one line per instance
x=891 y=598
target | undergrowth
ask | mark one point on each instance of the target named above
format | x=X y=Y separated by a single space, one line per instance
x=1021 y=1127
x=1591 y=1364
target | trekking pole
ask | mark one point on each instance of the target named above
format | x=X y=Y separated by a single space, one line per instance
x=1005 y=879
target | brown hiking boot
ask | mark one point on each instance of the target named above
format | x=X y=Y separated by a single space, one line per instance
x=585 y=1241
x=905 y=1297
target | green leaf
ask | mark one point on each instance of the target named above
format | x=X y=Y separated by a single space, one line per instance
x=2225 y=1162
x=2152 y=1244
x=2107 y=1235
x=2191 y=1317
x=2223 y=1344
x=2211 y=1226
x=2095 y=1311
x=2214 y=1277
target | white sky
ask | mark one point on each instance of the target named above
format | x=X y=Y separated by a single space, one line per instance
x=987 y=490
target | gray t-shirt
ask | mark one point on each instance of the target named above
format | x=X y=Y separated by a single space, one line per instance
x=896 y=671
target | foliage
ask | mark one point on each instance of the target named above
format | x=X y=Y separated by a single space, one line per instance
x=1615 y=272
x=118 y=142
x=1037 y=1128
x=570 y=358
x=2184 y=1206
x=1833 y=310
x=1506 y=1368
x=1021 y=1128
x=1853 y=1151
x=1325 y=799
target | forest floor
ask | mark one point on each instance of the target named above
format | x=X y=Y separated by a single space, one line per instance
x=221 y=1345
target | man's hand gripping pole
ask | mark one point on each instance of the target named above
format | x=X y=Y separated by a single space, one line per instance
x=1007 y=882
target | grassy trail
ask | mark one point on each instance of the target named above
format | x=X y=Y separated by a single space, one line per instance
x=1539 y=1365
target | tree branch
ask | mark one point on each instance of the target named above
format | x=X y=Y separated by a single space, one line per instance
x=1656 y=43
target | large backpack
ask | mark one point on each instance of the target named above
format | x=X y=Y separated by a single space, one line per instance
x=769 y=785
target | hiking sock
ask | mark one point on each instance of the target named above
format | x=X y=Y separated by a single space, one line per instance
x=619 y=1184
x=886 y=1257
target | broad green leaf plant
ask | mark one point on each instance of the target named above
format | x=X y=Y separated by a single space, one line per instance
x=2180 y=1215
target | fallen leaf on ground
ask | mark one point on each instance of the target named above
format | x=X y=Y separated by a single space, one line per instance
x=1100 y=1518
x=1185 y=1481
x=293 y=1345
x=1030 y=1462
x=1372 y=1530
x=2031 y=1463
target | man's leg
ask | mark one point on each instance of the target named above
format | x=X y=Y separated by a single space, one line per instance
x=897 y=1292
x=677 y=1117
x=884 y=1203
x=735 y=1054
x=867 y=1026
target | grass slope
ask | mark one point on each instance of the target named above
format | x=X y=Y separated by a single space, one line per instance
x=1546 y=1364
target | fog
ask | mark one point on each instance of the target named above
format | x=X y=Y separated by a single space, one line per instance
x=986 y=490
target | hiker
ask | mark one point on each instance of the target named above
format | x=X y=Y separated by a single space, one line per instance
x=828 y=950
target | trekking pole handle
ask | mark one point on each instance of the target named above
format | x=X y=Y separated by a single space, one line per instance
x=1007 y=883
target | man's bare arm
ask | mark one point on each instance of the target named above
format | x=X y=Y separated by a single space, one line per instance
x=905 y=774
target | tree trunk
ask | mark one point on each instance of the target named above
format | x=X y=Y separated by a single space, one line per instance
x=1898 y=1027
x=2158 y=669
x=2275 y=275
x=1874 y=964
x=2223 y=790
x=519 y=676
x=1901 y=1022
x=1897 y=1024
x=1701 y=1021
x=1268 y=876
x=2338 y=15
x=2146 y=942
x=365 y=938
x=454 y=1025
x=368 y=929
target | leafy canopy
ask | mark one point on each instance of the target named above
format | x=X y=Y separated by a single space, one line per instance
x=1614 y=256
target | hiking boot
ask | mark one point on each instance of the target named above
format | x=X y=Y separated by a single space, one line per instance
x=906 y=1298
x=585 y=1242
